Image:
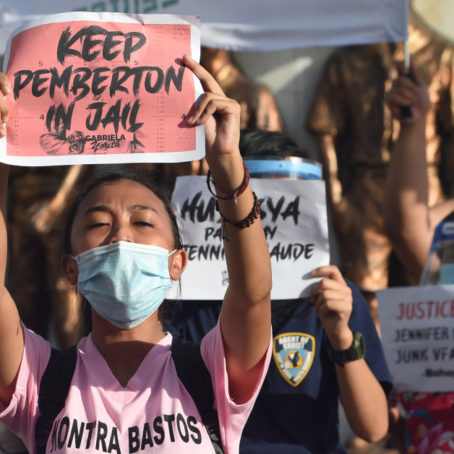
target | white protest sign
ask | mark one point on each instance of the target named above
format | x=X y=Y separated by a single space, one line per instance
x=106 y=88
x=250 y=25
x=417 y=330
x=295 y=223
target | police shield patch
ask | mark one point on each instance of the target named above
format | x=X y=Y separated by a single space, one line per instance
x=293 y=354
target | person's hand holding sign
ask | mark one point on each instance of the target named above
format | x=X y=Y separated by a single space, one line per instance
x=362 y=396
x=409 y=91
x=5 y=89
x=332 y=299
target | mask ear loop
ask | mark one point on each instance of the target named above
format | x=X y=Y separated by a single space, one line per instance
x=77 y=298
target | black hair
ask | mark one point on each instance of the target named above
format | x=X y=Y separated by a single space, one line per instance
x=108 y=174
x=255 y=143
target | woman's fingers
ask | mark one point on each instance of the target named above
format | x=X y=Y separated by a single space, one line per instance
x=328 y=306
x=208 y=104
x=329 y=271
x=331 y=294
x=208 y=81
x=5 y=89
x=5 y=86
x=220 y=115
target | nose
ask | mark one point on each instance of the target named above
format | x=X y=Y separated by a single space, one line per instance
x=120 y=232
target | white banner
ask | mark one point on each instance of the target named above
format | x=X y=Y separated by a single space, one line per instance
x=249 y=25
x=295 y=224
x=417 y=330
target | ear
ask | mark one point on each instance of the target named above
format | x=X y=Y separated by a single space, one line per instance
x=70 y=269
x=177 y=264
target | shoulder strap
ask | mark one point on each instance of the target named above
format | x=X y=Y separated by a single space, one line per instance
x=195 y=377
x=53 y=390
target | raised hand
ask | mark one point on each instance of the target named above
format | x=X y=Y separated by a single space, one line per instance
x=221 y=117
x=408 y=91
x=333 y=302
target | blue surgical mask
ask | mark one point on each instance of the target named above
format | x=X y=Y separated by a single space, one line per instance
x=124 y=282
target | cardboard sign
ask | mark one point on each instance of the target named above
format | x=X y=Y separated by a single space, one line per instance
x=417 y=330
x=105 y=88
x=294 y=218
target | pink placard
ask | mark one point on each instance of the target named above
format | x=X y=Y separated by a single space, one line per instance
x=101 y=91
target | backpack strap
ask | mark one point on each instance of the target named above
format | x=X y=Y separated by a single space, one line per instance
x=53 y=390
x=194 y=375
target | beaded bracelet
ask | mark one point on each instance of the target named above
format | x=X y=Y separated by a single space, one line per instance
x=243 y=223
x=236 y=193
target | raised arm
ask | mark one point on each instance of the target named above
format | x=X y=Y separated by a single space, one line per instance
x=362 y=396
x=246 y=313
x=11 y=337
x=408 y=219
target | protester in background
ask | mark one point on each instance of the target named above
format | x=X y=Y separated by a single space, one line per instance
x=355 y=133
x=409 y=219
x=127 y=341
x=410 y=222
x=335 y=322
x=188 y=319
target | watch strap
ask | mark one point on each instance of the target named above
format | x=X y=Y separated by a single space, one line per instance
x=356 y=351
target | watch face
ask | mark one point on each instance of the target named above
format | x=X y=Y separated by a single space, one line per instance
x=359 y=345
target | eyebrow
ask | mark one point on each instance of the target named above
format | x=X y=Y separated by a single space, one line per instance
x=106 y=209
x=143 y=208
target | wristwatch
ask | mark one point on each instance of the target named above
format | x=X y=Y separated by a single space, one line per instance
x=356 y=351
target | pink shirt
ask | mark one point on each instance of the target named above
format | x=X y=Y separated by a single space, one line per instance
x=153 y=412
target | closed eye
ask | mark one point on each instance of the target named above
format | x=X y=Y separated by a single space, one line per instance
x=143 y=223
x=97 y=224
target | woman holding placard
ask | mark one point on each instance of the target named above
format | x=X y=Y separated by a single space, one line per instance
x=125 y=392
